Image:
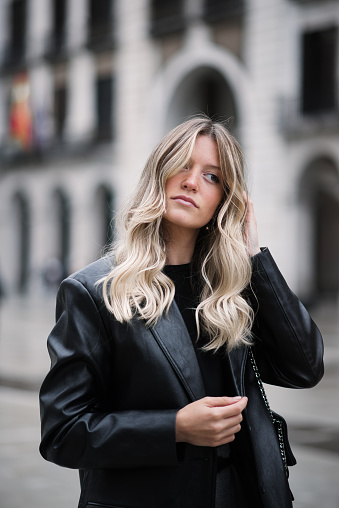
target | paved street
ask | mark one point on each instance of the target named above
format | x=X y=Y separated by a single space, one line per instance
x=26 y=480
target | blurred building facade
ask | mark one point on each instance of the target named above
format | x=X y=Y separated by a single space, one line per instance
x=87 y=87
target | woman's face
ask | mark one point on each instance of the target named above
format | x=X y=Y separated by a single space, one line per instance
x=194 y=193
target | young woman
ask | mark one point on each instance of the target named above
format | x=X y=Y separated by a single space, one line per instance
x=154 y=391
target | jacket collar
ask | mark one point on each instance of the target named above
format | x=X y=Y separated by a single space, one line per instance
x=172 y=336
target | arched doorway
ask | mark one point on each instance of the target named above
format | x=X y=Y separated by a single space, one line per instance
x=203 y=90
x=320 y=197
x=61 y=208
x=22 y=218
x=57 y=262
x=104 y=206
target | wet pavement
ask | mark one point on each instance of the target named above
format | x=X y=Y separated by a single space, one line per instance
x=26 y=480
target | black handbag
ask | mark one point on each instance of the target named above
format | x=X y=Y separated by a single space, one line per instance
x=278 y=421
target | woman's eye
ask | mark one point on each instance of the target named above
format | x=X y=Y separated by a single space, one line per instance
x=184 y=168
x=212 y=177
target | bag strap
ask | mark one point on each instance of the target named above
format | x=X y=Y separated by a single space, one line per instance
x=276 y=422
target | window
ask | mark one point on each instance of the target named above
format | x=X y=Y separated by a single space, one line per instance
x=167 y=16
x=319 y=55
x=60 y=109
x=216 y=10
x=17 y=23
x=22 y=216
x=104 y=104
x=56 y=43
x=59 y=22
x=100 y=23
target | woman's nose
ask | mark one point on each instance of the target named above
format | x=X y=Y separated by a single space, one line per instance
x=190 y=181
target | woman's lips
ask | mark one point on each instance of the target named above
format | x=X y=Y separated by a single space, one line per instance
x=184 y=200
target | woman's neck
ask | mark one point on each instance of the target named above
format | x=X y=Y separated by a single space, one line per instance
x=180 y=249
x=178 y=257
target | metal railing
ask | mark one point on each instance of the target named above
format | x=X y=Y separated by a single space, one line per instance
x=101 y=38
x=12 y=57
x=294 y=121
x=217 y=10
x=56 y=47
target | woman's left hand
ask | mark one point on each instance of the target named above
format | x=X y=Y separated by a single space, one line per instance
x=251 y=231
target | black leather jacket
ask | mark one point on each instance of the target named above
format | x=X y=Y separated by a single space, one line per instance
x=109 y=402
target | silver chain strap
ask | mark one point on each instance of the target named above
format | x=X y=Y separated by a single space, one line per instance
x=277 y=423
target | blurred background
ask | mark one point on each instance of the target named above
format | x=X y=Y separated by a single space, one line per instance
x=87 y=87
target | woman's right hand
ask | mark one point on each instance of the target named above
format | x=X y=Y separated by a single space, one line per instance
x=211 y=421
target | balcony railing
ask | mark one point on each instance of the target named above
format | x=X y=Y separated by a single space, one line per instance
x=53 y=148
x=218 y=10
x=307 y=1
x=13 y=58
x=168 y=25
x=167 y=17
x=101 y=37
x=293 y=121
x=56 y=47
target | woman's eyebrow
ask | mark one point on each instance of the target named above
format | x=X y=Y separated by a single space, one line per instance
x=190 y=162
x=211 y=166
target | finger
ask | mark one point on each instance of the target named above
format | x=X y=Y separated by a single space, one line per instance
x=250 y=215
x=232 y=409
x=226 y=412
x=229 y=423
x=225 y=437
x=222 y=401
x=231 y=431
x=229 y=437
x=251 y=230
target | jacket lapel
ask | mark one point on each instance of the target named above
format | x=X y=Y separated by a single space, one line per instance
x=172 y=336
x=237 y=361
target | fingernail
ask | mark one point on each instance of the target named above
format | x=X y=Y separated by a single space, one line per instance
x=237 y=397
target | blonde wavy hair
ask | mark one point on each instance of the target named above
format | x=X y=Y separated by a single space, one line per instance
x=137 y=284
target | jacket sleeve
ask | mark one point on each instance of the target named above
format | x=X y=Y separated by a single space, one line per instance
x=288 y=345
x=79 y=428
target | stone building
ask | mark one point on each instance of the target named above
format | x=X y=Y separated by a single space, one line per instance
x=87 y=87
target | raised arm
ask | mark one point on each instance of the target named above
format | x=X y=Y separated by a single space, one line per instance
x=288 y=344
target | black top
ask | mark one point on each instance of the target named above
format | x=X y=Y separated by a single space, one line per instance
x=211 y=364
x=214 y=372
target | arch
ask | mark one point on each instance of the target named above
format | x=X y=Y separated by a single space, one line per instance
x=104 y=206
x=203 y=90
x=319 y=199
x=61 y=232
x=191 y=58
x=22 y=218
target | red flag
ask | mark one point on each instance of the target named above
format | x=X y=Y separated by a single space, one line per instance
x=20 y=114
